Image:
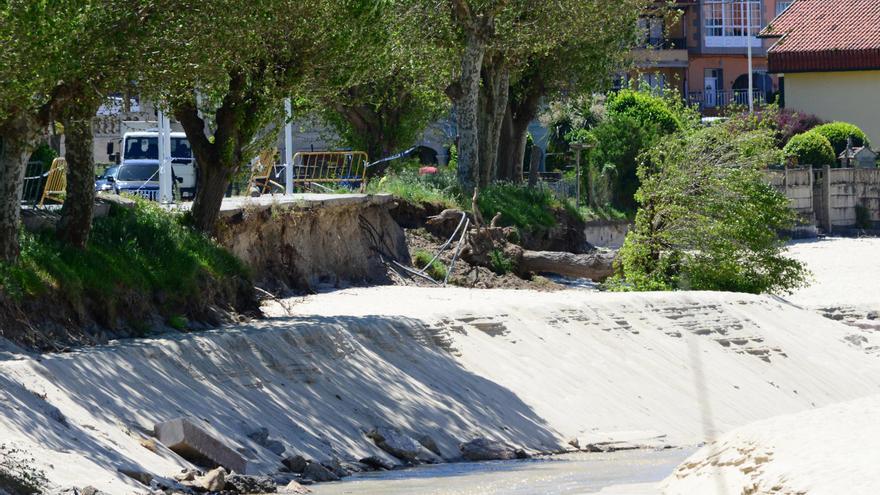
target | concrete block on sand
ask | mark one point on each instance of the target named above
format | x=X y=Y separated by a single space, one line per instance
x=185 y=437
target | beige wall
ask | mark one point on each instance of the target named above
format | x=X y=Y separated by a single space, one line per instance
x=847 y=96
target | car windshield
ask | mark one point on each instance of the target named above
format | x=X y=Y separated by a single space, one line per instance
x=138 y=173
x=110 y=172
x=147 y=148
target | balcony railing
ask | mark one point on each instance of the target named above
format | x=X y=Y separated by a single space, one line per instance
x=715 y=99
x=666 y=43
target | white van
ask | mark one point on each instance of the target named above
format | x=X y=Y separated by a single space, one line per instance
x=139 y=145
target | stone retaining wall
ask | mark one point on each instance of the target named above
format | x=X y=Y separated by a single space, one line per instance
x=831 y=197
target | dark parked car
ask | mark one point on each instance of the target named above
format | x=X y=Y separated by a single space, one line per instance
x=135 y=177
x=104 y=182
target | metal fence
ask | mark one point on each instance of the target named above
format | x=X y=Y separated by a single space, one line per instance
x=35 y=176
x=318 y=170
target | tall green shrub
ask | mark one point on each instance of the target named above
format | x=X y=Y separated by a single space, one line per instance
x=634 y=121
x=708 y=219
x=810 y=148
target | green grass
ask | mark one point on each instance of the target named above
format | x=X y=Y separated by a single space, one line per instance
x=143 y=250
x=519 y=205
x=435 y=270
x=441 y=188
x=606 y=212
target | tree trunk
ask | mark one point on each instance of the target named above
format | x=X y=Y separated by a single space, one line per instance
x=17 y=135
x=493 y=104
x=212 y=184
x=467 y=105
x=506 y=148
x=75 y=223
x=534 y=163
x=237 y=122
x=512 y=148
x=595 y=266
x=521 y=138
x=523 y=108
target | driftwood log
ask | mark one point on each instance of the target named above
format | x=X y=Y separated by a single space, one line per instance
x=596 y=266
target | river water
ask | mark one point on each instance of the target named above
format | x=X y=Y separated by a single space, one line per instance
x=567 y=474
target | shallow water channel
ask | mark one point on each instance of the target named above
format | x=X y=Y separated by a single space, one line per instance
x=567 y=474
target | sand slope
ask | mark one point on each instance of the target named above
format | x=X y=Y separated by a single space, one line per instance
x=827 y=451
x=534 y=369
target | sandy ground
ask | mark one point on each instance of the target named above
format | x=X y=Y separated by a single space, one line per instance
x=828 y=451
x=846 y=273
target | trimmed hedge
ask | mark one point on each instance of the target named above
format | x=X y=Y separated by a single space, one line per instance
x=837 y=134
x=811 y=148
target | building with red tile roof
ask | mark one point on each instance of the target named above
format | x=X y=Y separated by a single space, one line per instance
x=828 y=55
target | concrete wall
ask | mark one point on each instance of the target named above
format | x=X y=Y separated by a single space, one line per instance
x=830 y=197
x=797 y=185
x=607 y=234
x=847 y=96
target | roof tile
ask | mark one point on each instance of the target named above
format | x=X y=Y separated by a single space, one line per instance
x=818 y=35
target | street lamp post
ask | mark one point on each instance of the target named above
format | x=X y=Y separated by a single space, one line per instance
x=577 y=147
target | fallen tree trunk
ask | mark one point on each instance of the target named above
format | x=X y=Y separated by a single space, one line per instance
x=595 y=266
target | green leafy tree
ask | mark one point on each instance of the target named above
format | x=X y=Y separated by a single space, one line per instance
x=386 y=109
x=501 y=43
x=233 y=64
x=708 y=219
x=58 y=61
x=571 y=67
x=810 y=148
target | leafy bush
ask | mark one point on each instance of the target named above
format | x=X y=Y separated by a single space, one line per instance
x=708 y=219
x=810 y=148
x=144 y=250
x=789 y=124
x=435 y=269
x=611 y=176
x=784 y=123
x=838 y=132
x=863 y=217
x=500 y=263
x=44 y=154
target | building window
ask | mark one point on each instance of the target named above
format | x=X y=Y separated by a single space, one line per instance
x=782 y=6
x=652 y=31
x=727 y=22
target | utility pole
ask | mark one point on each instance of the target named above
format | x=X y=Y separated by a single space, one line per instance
x=288 y=148
x=749 y=51
x=165 y=173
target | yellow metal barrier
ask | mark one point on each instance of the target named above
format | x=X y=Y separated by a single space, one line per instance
x=318 y=169
x=261 y=174
x=56 y=182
